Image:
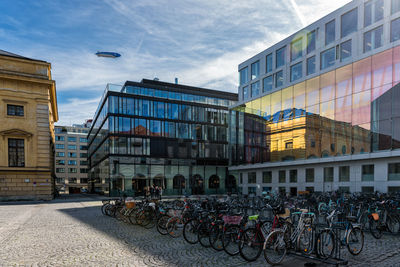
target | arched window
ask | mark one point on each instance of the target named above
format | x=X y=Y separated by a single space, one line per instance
x=178 y=182
x=213 y=182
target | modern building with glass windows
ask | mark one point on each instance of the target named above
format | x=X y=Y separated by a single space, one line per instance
x=157 y=133
x=71 y=158
x=320 y=110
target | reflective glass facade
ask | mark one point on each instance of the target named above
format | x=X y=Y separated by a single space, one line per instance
x=169 y=135
x=351 y=110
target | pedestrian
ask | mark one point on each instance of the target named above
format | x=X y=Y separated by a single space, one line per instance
x=157 y=192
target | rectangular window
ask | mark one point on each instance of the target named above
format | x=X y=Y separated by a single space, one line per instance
x=328 y=174
x=72 y=147
x=328 y=58
x=16 y=152
x=60 y=162
x=71 y=139
x=59 y=138
x=282 y=176
x=255 y=89
x=296 y=49
x=252 y=189
x=267 y=189
x=60 y=180
x=255 y=70
x=60 y=170
x=246 y=93
x=311 y=42
x=289 y=145
x=268 y=62
x=373 y=12
x=83 y=180
x=71 y=154
x=395 y=6
x=252 y=178
x=83 y=147
x=83 y=155
x=60 y=154
x=82 y=140
x=344 y=189
x=293 y=176
x=330 y=32
x=344 y=174
x=14 y=110
x=60 y=146
x=345 y=50
x=279 y=79
x=367 y=189
x=311 y=65
x=71 y=162
x=83 y=162
x=72 y=170
x=373 y=39
x=280 y=57
x=244 y=75
x=395 y=30
x=367 y=174
x=310 y=189
x=72 y=180
x=83 y=170
x=394 y=172
x=267 y=177
x=296 y=71
x=349 y=22
x=310 y=175
x=267 y=84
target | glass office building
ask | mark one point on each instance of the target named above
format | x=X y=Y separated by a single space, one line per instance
x=157 y=133
x=327 y=116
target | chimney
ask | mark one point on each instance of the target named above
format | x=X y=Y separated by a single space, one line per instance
x=176 y=80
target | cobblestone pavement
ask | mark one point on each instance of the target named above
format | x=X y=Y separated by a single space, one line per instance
x=75 y=233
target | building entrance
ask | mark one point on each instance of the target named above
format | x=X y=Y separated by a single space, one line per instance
x=139 y=182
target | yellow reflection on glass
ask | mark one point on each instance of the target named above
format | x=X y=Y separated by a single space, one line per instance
x=299 y=93
x=312 y=91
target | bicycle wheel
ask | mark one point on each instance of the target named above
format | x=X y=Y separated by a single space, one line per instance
x=355 y=240
x=190 y=231
x=230 y=240
x=132 y=216
x=162 y=224
x=375 y=229
x=174 y=227
x=393 y=224
x=150 y=219
x=103 y=209
x=203 y=233
x=216 y=237
x=275 y=247
x=305 y=241
x=251 y=244
x=325 y=244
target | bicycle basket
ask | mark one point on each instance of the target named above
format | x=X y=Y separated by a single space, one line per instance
x=375 y=216
x=130 y=205
x=232 y=219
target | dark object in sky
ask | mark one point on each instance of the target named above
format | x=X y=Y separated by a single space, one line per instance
x=108 y=54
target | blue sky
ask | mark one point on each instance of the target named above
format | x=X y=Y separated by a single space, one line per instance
x=200 y=42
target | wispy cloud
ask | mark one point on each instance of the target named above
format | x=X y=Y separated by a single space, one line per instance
x=200 y=42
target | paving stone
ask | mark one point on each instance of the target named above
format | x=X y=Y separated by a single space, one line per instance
x=75 y=233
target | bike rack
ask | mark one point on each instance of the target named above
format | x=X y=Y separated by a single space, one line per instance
x=335 y=260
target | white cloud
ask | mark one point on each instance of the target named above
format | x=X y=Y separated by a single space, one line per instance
x=200 y=42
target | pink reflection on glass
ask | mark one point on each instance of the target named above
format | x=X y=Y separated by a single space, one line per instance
x=382 y=69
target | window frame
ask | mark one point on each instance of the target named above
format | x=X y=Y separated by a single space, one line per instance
x=332 y=22
x=16 y=107
x=344 y=34
x=17 y=153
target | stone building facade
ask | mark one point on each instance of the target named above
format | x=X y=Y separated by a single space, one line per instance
x=28 y=111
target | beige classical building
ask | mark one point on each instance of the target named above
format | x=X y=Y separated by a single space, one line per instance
x=28 y=111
